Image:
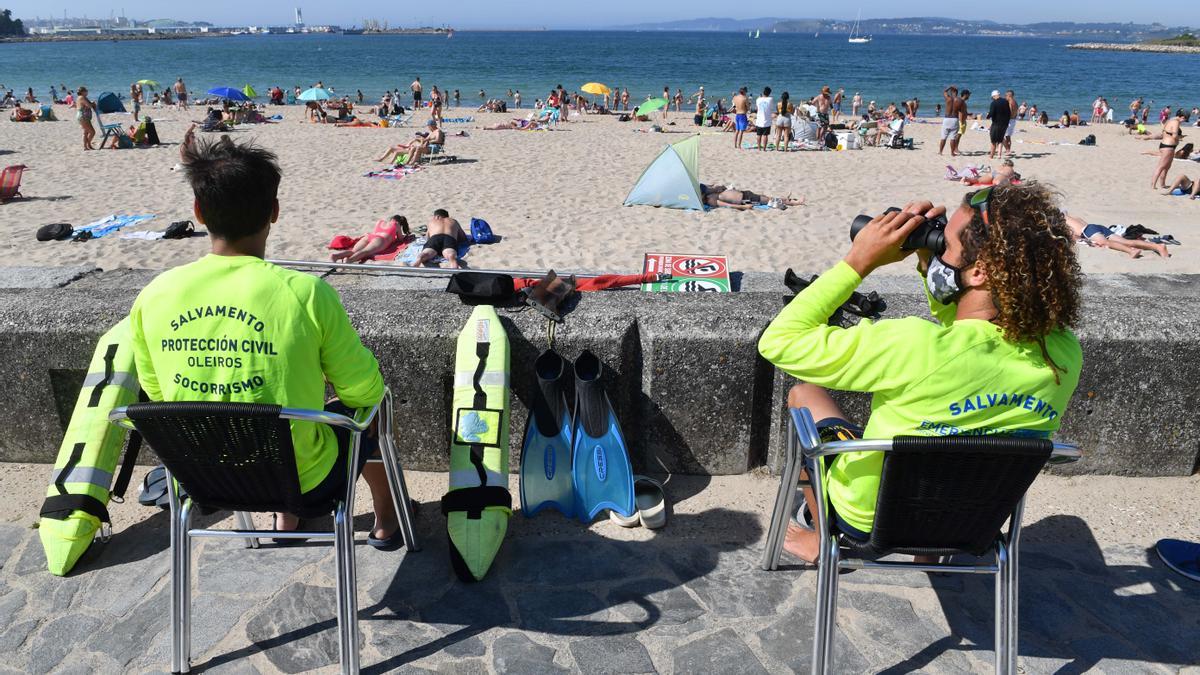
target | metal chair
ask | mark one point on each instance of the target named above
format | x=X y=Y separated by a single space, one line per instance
x=939 y=496
x=239 y=457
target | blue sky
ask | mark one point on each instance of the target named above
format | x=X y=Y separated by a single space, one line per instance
x=568 y=14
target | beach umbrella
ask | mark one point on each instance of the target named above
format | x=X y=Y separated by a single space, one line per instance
x=249 y=91
x=314 y=94
x=596 y=88
x=229 y=93
x=149 y=84
x=651 y=105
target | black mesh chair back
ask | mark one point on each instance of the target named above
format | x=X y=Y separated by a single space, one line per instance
x=235 y=456
x=951 y=494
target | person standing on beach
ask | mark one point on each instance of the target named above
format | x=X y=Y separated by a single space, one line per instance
x=83 y=115
x=181 y=94
x=837 y=103
x=950 y=121
x=1012 y=123
x=678 y=100
x=855 y=104
x=824 y=103
x=741 y=117
x=764 y=108
x=625 y=99
x=964 y=96
x=1000 y=113
x=1171 y=134
x=667 y=98
x=135 y=97
x=416 y=92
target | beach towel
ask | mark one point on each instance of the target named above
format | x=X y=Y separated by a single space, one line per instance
x=413 y=251
x=342 y=242
x=393 y=172
x=756 y=207
x=457 y=120
x=110 y=224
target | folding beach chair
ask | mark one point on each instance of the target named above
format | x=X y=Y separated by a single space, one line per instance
x=938 y=495
x=114 y=131
x=239 y=457
x=10 y=182
x=894 y=138
x=436 y=152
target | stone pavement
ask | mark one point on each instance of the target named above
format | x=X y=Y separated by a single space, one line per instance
x=565 y=598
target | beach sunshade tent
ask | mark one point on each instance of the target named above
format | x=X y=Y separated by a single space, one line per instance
x=596 y=88
x=249 y=91
x=149 y=84
x=672 y=179
x=314 y=94
x=228 y=93
x=108 y=102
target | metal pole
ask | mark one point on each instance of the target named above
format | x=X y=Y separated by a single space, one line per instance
x=430 y=271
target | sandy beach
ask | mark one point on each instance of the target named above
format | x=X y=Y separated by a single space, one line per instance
x=556 y=197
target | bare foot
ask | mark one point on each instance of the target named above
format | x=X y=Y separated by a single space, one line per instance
x=1161 y=250
x=1135 y=254
x=802 y=543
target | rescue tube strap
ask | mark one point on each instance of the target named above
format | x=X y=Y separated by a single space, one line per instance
x=475 y=500
x=69 y=467
x=133 y=447
x=467 y=478
x=109 y=355
x=480 y=402
x=124 y=380
x=59 y=507
x=83 y=474
x=463 y=379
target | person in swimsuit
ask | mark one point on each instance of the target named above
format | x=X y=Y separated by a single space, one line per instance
x=1103 y=237
x=384 y=235
x=743 y=200
x=181 y=93
x=83 y=115
x=445 y=235
x=1184 y=186
x=741 y=117
x=1171 y=133
x=950 y=121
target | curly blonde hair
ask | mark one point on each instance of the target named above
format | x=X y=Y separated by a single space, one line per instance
x=1028 y=252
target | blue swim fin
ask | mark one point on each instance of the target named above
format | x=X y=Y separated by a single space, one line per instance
x=546 y=455
x=600 y=467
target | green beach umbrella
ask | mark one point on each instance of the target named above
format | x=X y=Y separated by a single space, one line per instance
x=149 y=84
x=249 y=91
x=651 y=105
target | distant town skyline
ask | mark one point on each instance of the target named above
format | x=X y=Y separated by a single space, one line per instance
x=469 y=14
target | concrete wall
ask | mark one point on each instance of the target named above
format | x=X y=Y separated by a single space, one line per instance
x=683 y=371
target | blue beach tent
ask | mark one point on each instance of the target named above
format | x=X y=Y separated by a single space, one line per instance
x=672 y=179
x=107 y=102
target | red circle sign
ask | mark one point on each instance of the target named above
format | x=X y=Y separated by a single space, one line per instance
x=698 y=267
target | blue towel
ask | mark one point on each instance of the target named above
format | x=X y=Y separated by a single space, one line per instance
x=112 y=224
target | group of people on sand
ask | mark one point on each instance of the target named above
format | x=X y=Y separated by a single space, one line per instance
x=444 y=235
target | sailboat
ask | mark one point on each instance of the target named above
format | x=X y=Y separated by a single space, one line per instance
x=757 y=33
x=855 y=37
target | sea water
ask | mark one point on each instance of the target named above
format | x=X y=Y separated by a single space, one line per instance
x=889 y=69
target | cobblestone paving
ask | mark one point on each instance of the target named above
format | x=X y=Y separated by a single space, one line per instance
x=558 y=601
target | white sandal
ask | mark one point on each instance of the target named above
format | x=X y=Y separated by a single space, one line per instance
x=650 y=502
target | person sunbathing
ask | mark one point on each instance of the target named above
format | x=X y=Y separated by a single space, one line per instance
x=1103 y=237
x=1005 y=175
x=1184 y=186
x=21 y=114
x=445 y=236
x=743 y=200
x=416 y=147
x=513 y=124
x=383 y=236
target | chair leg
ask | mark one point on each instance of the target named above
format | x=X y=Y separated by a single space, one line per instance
x=347 y=593
x=400 y=499
x=831 y=605
x=1011 y=622
x=1001 y=628
x=776 y=529
x=822 y=621
x=244 y=522
x=177 y=662
x=185 y=587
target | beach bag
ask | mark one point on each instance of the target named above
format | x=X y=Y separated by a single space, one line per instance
x=831 y=140
x=180 y=229
x=481 y=232
x=1090 y=139
x=482 y=288
x=55 y=232
x=124 y=142
x=152 y=134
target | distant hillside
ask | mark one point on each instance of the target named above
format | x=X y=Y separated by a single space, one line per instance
x=925 y=26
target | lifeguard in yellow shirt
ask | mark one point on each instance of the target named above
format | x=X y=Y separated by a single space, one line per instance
x=233 y=327
x=1001 y=358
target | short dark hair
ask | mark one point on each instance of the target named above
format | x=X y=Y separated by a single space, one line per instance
x=964 y=93
x=766 y=91
x=441 y=213
x=235 y=184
